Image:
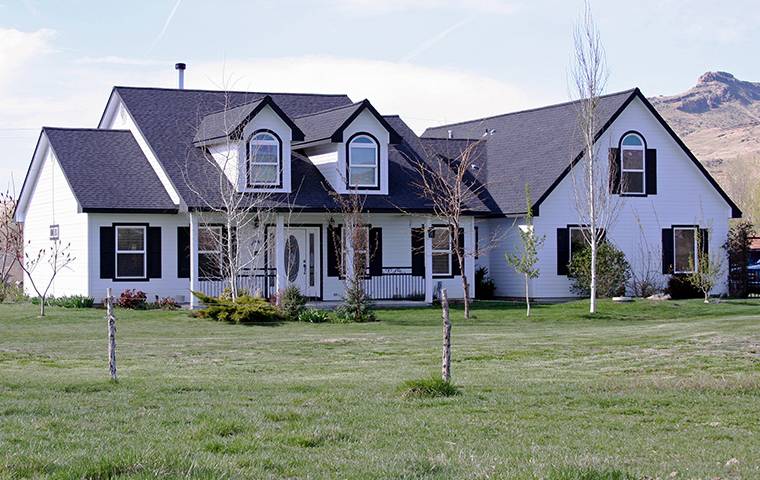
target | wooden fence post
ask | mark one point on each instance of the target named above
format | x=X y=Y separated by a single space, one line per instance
x=111 y=335
x=446 y=361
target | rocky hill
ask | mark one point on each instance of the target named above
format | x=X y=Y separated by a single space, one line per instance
x=719 y=119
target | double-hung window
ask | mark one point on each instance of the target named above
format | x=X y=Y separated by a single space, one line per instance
x=264 y=162
x=632 y=165
x=363 y=159
x=684 y=249
x=210 y=240
x=131 y=260
x=441 y=251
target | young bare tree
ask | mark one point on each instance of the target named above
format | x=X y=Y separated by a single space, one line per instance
x=524 y=261
x=353 y=252
x=233 y=221
x=11 y=242
x=451 y=184
x=706 y=272
x=57 y=257
x=595 y=206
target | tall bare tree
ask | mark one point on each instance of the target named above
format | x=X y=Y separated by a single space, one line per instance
x=57 y=257
x=452 y=185
x=215 y=174
x=595 y=206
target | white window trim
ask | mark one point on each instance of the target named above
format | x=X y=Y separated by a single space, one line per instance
x=218 y=250
x=365 y=230
x=144 y=251
x=252 y=163
x=376 y=167
x=694 y=253
x=438 y=251
x=55 y=232
x=642 y=148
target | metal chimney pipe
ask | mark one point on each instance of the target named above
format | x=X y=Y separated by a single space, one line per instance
x=180 y=67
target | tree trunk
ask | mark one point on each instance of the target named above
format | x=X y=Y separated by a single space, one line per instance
x=466 y=289
x=446 y=360
x=527 y=296
x=42 y=306
x=707 y=296
x=592 y=299
x=111 y=335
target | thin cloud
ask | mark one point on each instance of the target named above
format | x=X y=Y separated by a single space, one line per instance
x=115 y=60
x=430 y=42
x=374 y=7
x=166 y=26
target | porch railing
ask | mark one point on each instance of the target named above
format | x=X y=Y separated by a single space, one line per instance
x=396 y=283
x=251 y=280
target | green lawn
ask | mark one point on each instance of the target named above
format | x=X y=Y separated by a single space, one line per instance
x=641 y=391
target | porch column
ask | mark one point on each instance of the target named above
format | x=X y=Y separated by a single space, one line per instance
x=279 y=254
x=469 y=251
x=428 y=242
x=195 y=284
x=348 y=245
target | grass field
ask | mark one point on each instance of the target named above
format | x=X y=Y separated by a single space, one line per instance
x=643 y=390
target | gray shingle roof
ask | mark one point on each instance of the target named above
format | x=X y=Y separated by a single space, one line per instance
x=531 y=147
x=322 y=125
x=224 y=123
x=168 y=118
x=107 y=170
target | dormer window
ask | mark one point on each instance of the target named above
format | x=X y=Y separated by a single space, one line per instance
x=633 y=165
x=363 y=161
x=264 y=159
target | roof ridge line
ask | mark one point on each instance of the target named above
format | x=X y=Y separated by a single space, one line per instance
x=329 y=110
x=87 y=129
x=261 y=99
x=554 y=105
x=230 y=91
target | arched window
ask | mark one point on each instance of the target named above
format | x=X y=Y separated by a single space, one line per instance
x=632 y=165
x=363 y=160
x=264 y=160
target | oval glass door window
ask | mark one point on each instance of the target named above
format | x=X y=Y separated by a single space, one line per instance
x=292 y=258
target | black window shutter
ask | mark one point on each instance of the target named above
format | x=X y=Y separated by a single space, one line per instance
x=107 y=253
x=183 y=252
x=418 y=252
x=477 y=243
x=334 y=251
x=153 y=243
x=651 y=171
x=667 y=250
x=614 y=158
x=455 y=270
x=375 y=251
x=563 y=250
x=704 y=247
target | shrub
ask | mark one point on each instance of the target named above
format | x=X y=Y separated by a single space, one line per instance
x=13 y=293
x=485 y=288
x=356 y=306
x=312 y=315
x=292 y=302
x=612 y=271
x=133 y=299
x=738 y=248
x=168 y=303
x=680 y=288
x=246 y=309
x=227 y=293
x=428 y=388
x=73 y=301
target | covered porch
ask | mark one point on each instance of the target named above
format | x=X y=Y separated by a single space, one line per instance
x=404 y=260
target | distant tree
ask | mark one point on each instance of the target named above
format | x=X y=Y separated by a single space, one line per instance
x=11 y=241
x=737 y=247
x=57 y=257
x=707 y=270
x=524 y=261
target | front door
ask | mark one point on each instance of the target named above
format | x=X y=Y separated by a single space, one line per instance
x=302 y=267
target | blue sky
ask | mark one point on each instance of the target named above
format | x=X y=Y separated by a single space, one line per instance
x=431 y=61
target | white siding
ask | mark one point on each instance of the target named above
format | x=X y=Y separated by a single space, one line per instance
x=52 y=202
x=499 y=237
x=684 y=196
x=166 y=286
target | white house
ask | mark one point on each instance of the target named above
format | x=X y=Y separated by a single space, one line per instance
x=125 y=195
